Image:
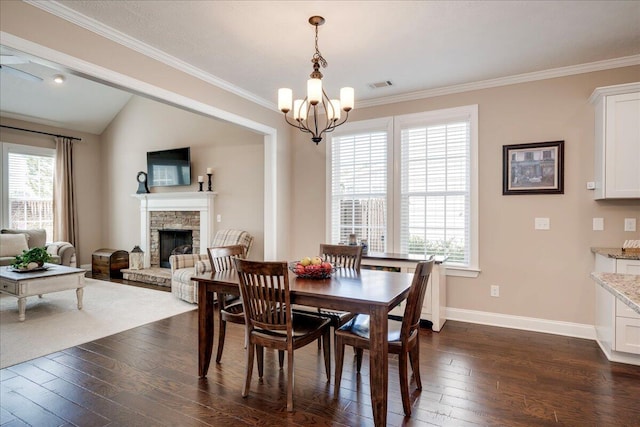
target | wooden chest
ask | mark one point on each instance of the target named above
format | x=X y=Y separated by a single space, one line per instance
x=107 y=263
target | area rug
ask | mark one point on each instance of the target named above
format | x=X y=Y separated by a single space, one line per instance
x=54 y=323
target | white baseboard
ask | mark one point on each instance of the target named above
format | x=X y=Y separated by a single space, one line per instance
x=577 y=330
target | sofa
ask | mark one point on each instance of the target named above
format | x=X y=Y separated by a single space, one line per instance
x=14 y=241
x=184 y=267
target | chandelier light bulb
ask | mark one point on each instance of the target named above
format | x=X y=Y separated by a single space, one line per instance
x=334 y=110
x=299 y=109
x=285 y=97
x=314 y=91
x=347 y=98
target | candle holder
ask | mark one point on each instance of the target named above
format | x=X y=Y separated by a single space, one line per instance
x=200 y=184
x=209 y=175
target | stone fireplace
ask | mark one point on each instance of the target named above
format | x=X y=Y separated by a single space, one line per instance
x=192 y=211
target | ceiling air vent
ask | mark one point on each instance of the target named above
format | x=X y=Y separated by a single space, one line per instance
x=378 y=85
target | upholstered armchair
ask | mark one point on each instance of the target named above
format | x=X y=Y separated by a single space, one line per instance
x=184 y=267
x=63 y=253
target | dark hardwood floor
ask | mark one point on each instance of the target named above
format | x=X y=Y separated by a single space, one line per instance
x=472 y=375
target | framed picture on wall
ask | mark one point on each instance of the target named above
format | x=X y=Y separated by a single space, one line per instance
x=536 y=168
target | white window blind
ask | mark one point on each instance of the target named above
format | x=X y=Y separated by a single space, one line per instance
x=435 y=190
x=29 y=188
x=359 y=188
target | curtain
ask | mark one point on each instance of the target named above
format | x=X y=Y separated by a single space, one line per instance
x=65 y=221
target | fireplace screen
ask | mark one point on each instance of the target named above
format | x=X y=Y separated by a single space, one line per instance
x=172 y=239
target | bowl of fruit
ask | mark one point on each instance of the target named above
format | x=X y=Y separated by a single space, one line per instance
x=312 y=268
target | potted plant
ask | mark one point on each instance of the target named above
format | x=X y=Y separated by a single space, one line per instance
x=31 y=259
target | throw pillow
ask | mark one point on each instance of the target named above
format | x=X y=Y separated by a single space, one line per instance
x=36 y=238
x=12 y=244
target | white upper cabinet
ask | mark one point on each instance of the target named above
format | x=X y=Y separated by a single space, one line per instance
x=617 y=141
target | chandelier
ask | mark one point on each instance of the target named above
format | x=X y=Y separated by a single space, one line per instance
x=316 y=113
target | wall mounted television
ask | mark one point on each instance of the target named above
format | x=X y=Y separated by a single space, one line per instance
x=169 y=168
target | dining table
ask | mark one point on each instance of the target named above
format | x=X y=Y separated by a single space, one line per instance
x=372 y=292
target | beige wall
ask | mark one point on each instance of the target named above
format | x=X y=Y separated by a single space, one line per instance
x=88 y=170
x=542 y=274
x=235 y=154
x=32 y=24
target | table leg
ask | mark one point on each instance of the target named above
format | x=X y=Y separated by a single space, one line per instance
x=79 y=294
x=379 y=364
x=205 y=328
x=22 y=307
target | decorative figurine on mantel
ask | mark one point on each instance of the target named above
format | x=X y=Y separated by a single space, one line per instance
x=142 y=183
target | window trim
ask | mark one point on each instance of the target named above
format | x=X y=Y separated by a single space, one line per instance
x=7 y=148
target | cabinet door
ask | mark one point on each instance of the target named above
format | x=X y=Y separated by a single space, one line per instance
x=628 y=335
x=622 y=146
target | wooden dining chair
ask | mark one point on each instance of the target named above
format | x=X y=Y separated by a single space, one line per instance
x=269 y=321
x=403 y=336
x=345 y=257
x=229 y=310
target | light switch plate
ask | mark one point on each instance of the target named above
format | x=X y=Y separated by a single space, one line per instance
x=598 y=224
x=542 y=223
x=629 y=224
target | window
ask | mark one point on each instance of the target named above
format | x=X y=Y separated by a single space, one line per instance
x=430 y=178
x=27 y=190
x=358 y=169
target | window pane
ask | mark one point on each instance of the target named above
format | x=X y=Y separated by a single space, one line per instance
x=435 y=209
x=359 y=188
x=30 y=190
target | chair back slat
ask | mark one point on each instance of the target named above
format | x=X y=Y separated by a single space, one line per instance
x=343 y=256
x=264 y=287
x=221 y=257
x=415 y=298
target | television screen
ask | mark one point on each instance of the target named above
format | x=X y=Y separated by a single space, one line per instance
x=169 y=167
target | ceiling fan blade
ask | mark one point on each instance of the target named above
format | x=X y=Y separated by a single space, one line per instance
x=12 y=59
x=19 y=73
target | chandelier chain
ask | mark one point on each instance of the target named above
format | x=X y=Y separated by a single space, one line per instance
x=317 y=57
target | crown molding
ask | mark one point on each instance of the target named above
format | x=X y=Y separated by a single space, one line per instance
x=103 y=30
x=125 y=40
x=626 y=61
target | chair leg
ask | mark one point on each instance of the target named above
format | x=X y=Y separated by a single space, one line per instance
x=281 y=358
x=414 y=358
x=222 y=329
x=339 y=362
x=260 y=357
x=359 y=353
x=249 y=370
x=326 y=343
x=404 y=383
x=290 y=380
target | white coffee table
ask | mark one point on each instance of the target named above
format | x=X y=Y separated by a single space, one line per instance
x=54 y=279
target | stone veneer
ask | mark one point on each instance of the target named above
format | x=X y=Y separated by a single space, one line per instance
x=176 y=220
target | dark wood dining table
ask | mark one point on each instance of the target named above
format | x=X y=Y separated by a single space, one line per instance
x=372 y=292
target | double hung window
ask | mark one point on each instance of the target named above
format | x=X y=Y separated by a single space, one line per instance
x=408 y=187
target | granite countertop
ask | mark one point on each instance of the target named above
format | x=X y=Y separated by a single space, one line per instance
x=625 y=287
x=615 y=253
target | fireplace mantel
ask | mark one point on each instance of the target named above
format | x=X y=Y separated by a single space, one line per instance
x=201 y=201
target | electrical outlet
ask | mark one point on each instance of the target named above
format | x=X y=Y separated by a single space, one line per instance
x=598 y=224
x=495 y=290
x=219 y=218
x=542 y=223
x=629 y=224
